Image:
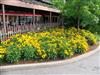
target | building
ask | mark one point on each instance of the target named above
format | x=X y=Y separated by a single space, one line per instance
x=18 y=16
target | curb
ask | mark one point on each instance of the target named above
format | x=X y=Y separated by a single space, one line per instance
x=47 y=64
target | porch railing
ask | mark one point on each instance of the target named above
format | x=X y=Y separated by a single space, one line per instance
x=23 y=28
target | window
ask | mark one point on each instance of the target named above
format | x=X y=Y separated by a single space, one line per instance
x=29 y=20
x=1 y=22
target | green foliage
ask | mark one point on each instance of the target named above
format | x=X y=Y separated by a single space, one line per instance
x=2 y=53
x=49 y=45
x=13 y=54
x=29 y=53
x=98 y=36
x=59 y=4
x=85 y=12
x=94 y=28
x=1 y=60
x=65 y=52
x=79 y=48
x=52 y=54
x=91 y=38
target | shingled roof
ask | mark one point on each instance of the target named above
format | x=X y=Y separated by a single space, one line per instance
x=46 y=3
x=34 y=4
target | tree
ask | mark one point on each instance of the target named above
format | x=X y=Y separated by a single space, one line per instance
x=85 y=12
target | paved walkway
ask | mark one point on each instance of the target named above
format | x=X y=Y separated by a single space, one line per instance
x=89 y=66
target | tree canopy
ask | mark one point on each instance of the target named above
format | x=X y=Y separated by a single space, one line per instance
x=84 y=12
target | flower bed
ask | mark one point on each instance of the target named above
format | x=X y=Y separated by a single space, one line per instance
x=56 y=43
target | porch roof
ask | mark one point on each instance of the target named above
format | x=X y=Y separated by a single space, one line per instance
x=19 y=3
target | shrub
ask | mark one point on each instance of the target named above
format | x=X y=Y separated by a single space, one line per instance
x=91 y=38
x=52 y=54
x=51 y=44
x=64 y=49
x=79 y=44
x=13 y=54
x=94 y=28
x=41 y=54
x=71 y=31
x=80 y=48
x=29 y=53
x=7 y=43
x=51 y=50
x=2 y=53
x=65 y=52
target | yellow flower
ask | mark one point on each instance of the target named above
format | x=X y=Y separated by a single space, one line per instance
x=19 y=46
x=66 y=52
x=39 y=52
x=1 y=56
x=23 y=44
x=2 y=51
x=44 y=56
x=20 y=40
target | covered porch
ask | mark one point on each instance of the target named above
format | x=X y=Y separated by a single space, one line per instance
x=20 y=20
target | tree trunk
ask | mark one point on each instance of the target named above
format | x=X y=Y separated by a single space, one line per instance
x=78 y=17
x=78 y=24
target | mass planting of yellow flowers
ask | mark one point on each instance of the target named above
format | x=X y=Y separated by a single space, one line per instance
x=2 y=51
x=51 y=44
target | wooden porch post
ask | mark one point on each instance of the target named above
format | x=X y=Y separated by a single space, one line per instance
x=3 y=10
x=62 y=21
x=34 y=18
x=50 y=18
x=58 y=21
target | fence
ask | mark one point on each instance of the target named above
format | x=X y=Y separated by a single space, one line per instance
x=10 y=30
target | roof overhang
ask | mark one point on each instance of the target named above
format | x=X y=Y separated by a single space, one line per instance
x=28 y=5
x=20 y=13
